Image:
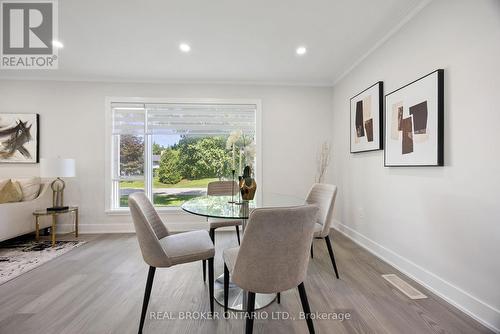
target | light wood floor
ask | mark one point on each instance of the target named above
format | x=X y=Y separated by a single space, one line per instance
x=98 y=288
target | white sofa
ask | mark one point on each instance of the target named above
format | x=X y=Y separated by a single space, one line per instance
x=17 y=218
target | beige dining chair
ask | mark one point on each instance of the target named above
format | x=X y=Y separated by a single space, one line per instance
x=221 y=188
x=273 y=256
x=160 y=249
x=323 y=195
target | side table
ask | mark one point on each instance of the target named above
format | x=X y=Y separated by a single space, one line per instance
x=39 y=213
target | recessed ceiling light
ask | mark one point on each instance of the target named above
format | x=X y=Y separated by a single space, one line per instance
x=184 y=47
x=301 y=50
x=57 y=44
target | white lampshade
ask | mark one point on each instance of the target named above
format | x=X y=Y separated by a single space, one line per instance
x=57 y=167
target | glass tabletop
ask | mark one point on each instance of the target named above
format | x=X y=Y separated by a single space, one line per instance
x=220 y=206
x=45 y=212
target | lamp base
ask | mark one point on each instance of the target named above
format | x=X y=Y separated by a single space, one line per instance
x=57 y=208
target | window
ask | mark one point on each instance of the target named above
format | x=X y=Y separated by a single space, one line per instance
x=171 y=151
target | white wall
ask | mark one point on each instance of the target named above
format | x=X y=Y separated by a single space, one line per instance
x=440 y=225
x=295 y=120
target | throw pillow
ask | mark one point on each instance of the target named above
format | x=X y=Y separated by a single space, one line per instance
x=30 y=187
x=11 y=192
x=3 y=182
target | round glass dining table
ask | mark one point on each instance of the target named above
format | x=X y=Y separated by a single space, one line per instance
x=224 y=207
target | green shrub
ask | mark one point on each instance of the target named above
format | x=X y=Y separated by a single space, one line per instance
x=169 y=172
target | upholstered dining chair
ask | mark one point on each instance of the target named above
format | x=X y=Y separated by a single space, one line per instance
x=323 y=195
x=160 y=249
x=221 y=188
x=273 y=256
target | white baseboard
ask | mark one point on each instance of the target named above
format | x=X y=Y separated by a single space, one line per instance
x=472 y=306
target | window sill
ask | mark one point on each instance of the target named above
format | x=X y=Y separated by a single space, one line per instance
x=161 y=211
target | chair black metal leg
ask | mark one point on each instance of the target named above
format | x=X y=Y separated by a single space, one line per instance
x=211 y=283
x=238 y=233
x=226 y=288
x=204 y=264
x=278 y=297
x=305 y=307
x=250 y=312
x=332 y=257
x=312 y=250
x=147 y=294
x=212 y=235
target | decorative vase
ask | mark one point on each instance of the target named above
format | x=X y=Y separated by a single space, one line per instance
x=248 y=186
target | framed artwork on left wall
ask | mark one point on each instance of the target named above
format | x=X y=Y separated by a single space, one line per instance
x=19 y=138
x=366 y=119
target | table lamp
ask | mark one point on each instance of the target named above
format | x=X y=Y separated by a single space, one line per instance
x=50 y=168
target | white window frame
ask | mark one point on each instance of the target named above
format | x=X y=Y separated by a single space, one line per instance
x=108 y=158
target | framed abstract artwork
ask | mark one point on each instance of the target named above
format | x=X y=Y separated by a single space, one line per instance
x=19 y=138
x=366 y=119
x=414 y=117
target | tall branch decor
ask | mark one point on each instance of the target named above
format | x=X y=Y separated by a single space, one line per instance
x=322 y=161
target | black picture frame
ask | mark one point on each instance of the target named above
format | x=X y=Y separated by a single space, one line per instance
x=439 y=119
x=37 y=138
x=380 y=125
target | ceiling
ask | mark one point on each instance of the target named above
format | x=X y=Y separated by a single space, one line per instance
x=231 y=40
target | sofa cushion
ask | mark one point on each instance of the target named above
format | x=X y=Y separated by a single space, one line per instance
x=11 y=192
x=30 y=187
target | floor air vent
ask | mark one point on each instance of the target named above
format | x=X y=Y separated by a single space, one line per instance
x=404 y=287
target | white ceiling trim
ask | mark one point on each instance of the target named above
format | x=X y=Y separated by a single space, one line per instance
x=384 y=39
x=173 y=82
